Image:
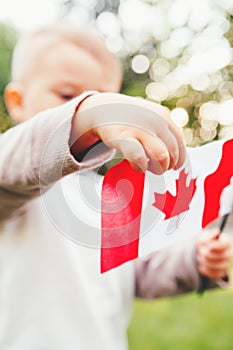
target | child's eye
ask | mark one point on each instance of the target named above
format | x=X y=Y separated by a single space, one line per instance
x=66 y=94
x=66 y=97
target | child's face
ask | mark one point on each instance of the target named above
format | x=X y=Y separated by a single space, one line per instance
x=60 y=74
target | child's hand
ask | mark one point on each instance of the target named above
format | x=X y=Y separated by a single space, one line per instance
x=139 y=129
x=213 y=254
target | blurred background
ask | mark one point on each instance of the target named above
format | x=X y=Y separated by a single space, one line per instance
x=177 y=53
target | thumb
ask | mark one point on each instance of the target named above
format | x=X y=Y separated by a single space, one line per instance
x=214 y=233
x=208 y=235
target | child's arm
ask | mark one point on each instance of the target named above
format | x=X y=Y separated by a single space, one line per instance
x=36 y=153
x=177 y=269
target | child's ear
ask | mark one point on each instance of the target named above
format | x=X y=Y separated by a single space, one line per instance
x=14 y=101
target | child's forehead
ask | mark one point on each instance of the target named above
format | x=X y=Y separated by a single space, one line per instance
x=61 y=53
x=29 y=51
x=36 y=47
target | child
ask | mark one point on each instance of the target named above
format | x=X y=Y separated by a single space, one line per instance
x=52 y=294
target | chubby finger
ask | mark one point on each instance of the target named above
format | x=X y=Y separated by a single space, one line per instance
x=181 y=154
x=223 y=243
x=218 y=266
x=178 y=158
x=157 y=154
x=133 y=151
x=205 y=256
x=175 y=130
x=126 y=142
x=163 y=154
x=214 y=258
x=213 y=273
x=208 y=236
x=214 y=249
x=172 y=138
x=213 y=269
x=156 y=121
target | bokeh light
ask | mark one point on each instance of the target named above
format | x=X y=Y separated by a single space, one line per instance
x=140 y=64
x=179 y=116
x=157 y=91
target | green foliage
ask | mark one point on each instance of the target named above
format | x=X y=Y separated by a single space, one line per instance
x=187 y=322
x=133 y=84
x=8 y=38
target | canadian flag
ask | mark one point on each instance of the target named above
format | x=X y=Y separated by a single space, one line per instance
x=141 y=213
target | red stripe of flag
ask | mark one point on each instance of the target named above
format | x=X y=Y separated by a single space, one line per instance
x=121 y=205
x=216 y=182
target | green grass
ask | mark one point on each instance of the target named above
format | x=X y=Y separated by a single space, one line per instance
x=187 y=322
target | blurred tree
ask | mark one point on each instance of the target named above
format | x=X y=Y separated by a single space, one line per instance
x=174 y=52
x=8 y=38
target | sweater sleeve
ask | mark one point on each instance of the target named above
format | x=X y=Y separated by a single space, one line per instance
x=36 y=153
x=170 y=271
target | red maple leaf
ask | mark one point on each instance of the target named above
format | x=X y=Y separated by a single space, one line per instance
x=174 y=205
